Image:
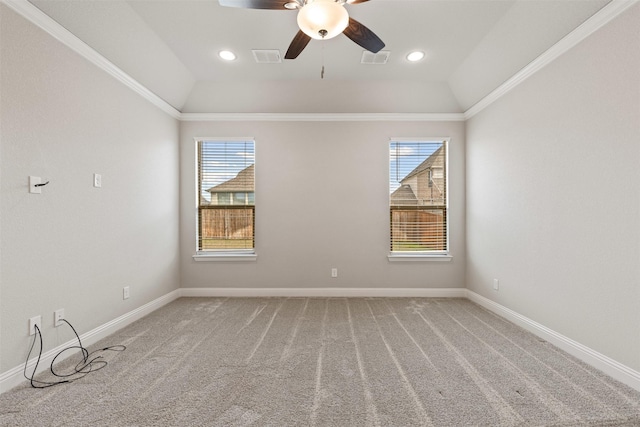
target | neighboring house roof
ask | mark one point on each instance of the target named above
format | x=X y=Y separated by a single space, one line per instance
x=404 y=195
x=241 y=183
x=428 y=163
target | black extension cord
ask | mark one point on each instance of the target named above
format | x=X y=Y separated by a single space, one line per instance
x=85 y=366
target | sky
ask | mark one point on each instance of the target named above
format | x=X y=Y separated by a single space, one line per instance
x=405 y=156
x=222 y=160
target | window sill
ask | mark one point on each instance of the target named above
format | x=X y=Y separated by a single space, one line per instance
x=225 y=257
x=401 y=257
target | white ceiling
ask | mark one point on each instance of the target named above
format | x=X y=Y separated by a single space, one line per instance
x=171 y=46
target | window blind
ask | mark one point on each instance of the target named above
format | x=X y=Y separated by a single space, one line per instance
x=226 y=195
x=418 y=196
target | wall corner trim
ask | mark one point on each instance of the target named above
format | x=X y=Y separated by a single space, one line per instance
x=588 y=27
x=57 y=31
x=614 y=369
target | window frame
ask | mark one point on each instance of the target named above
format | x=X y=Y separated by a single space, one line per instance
x=444 y=255
x=223 y=255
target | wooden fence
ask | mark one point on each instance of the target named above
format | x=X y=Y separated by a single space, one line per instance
x=418 y=229
x=232 y=227
x=226 y=227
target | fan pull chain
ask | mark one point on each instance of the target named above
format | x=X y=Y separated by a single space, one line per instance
x=322 y=71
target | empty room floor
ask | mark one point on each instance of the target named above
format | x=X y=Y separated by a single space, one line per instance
x=327 y=362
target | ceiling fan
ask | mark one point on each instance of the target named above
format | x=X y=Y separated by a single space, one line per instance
x=317 y=19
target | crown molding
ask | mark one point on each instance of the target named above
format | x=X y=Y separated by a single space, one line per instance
x=588 y=27
x=322 y=117
x=591 y=25
x=57 y=31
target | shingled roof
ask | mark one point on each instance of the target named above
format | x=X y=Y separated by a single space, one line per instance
x=404 y=195
x=241 y=183
x=428 y=163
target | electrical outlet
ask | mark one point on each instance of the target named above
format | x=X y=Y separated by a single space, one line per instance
x=334 y=272
x=58 y=315
x=33 y=322
x=97 y=180
x=125 y=292
x=496 y=285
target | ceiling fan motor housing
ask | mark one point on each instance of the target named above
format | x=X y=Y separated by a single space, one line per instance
x=323 y=19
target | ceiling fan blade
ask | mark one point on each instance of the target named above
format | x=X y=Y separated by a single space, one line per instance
x=363 y=36
x=356 y=1
x=255 y=4
x=299 y=42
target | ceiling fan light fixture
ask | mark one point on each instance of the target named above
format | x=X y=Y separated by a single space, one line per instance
x=323 y=19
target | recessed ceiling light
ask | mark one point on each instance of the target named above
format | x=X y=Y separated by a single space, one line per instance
x=292 y=5
x=227 y=55
x=415 y=56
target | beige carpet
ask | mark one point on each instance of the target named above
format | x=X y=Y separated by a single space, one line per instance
x=328 y=362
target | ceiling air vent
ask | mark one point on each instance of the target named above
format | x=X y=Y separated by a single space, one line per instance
x=267 y=56
x=375 y=58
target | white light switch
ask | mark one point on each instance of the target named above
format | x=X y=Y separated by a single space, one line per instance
x=97 y=180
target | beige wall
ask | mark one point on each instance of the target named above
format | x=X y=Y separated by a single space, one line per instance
x=75 y=246
x=565 y=258
x=553 y=194
x=322 y=201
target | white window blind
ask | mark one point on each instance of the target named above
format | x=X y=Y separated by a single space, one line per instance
x=226 y=189
x=418 y=196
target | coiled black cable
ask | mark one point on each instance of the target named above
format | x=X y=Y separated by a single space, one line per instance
x=85 y=366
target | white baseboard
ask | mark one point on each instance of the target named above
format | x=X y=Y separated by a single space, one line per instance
x=614 y=369
x=326 y=292
x=609 y=366
x=14 y=377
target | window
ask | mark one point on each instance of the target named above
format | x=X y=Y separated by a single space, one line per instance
x=226 y=202
x=240 y=199
x=418 y=197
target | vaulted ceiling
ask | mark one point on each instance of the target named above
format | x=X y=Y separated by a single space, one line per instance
x=171 y=47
